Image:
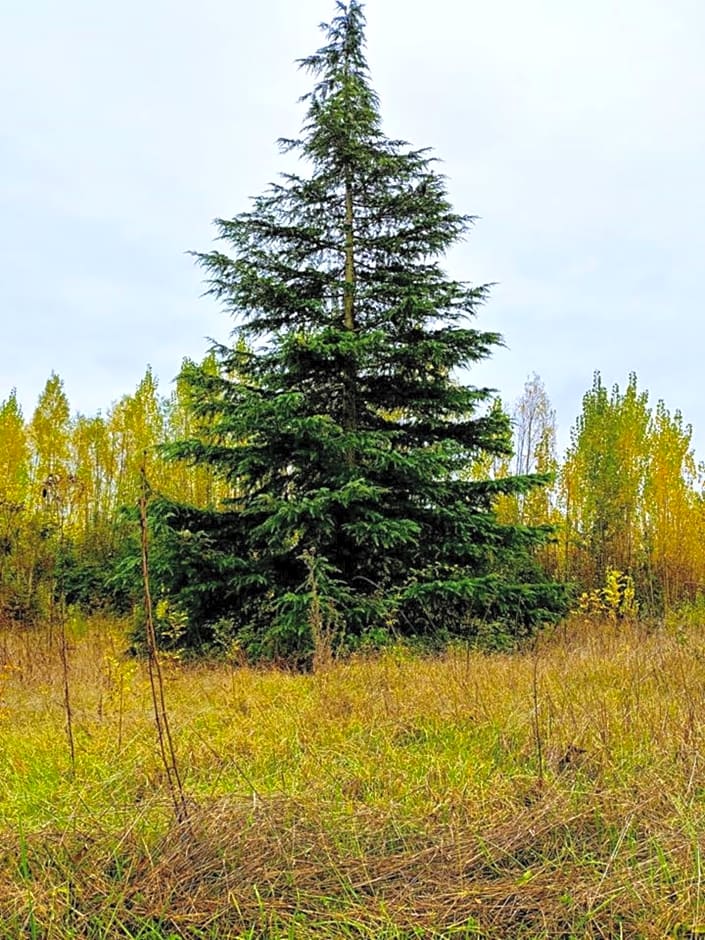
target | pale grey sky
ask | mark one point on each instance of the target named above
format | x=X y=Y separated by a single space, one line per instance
x=574 y=129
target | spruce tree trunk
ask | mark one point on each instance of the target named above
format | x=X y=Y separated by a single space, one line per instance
x=350 y=373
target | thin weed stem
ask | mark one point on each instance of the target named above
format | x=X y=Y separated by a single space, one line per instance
x=156 y=679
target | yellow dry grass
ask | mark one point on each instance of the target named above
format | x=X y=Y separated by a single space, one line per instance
x=557 y=793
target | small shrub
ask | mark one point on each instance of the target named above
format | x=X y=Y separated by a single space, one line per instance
x=616 y=599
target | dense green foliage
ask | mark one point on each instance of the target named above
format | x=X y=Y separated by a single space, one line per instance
x=338 y=417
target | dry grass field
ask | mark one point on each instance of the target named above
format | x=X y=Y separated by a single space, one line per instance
x=557 y=793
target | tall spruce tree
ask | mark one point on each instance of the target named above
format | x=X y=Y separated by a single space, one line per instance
x=339 y=416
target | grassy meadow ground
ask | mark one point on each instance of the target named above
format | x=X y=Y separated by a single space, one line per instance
x=557 y=793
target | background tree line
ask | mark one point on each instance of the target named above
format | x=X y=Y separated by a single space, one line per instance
x=626 y=495
x=68 y=483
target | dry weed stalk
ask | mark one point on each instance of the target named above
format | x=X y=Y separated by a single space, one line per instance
x=58 y=612
x=536 y=714
x=322 y=626
x=156 y=679
x=68 y=711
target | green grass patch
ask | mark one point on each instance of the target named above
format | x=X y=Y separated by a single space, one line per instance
x=559 y=793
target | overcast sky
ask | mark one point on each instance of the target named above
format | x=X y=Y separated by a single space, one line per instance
x=574 y=129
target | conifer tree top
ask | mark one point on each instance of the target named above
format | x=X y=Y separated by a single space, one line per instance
x=343 y=84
